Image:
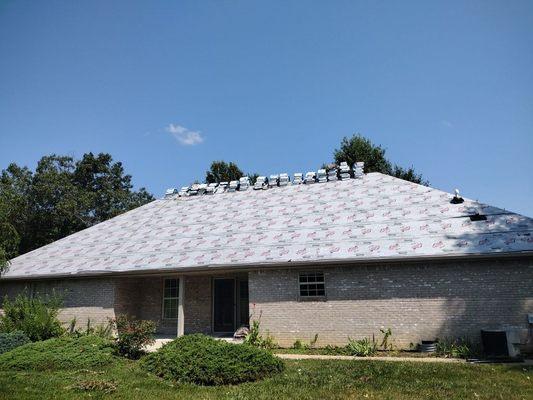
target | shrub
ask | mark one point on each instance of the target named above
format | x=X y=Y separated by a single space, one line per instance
x=62 y=353
x=203 y=360
x=133 y=335
x=254 y=338
x=36 y=317
x=8 y=341
x=364 y=347
x=456 y=348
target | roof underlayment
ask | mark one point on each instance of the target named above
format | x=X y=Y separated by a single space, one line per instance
x=377 y=217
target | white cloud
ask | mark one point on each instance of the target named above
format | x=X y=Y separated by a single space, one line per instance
x=184 y=136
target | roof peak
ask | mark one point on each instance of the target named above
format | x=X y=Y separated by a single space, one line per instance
x=331 y=173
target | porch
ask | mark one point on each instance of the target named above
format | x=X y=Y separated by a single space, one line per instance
x=214 y=305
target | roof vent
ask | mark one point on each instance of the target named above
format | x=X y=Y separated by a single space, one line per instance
x=359 y=170
x=233 y=185
x=273 y=180
x=344 y=171
x=283 y=179
x=478 y=217
x=298 y=178
x=310 y=177
x=244 y=183
x=456 y=198
x=321 y=175
x=260 y=182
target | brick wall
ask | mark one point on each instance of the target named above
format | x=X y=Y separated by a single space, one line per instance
x=82 y=298
x=416 y=301
x=198 y=304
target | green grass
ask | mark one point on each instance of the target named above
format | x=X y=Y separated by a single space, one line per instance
x=309 y=379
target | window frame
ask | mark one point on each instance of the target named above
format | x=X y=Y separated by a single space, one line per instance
x=316 y=297
x=164 y=297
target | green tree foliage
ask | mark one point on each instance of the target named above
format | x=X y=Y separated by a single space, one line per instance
x=359 y=148
x=221 y=171
x=60 y=197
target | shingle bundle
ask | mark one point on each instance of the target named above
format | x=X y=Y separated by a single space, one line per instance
x=273 y=180
x=244 y=183
x=283 y=179
x=332 y=174
x=321 y=176
x=310 y=177
x=260 y=182
x=344 y=171
x=233 y=185
x=359 y=169
x=298 y=178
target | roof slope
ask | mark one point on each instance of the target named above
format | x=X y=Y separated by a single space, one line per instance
x=376 y=217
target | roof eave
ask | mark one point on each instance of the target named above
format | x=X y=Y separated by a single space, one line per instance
x=218 y=268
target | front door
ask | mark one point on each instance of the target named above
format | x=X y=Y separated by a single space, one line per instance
x=224 y=305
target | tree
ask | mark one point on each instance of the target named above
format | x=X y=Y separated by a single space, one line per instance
x=222 y=171
x=359 y=148
x=61 y=197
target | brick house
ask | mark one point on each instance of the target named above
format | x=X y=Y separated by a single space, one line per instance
x=340 y=259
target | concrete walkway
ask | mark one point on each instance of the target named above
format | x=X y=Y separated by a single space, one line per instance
x=328 y=357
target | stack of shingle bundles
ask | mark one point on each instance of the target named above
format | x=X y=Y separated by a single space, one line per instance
x=310 y=177
x=244 y=183
x=170 y=192
x=221 y=187
x=332 y=173
x=233 y=185
x=273 y=180
x=184 y=191
x=321 y=176
x=202 y=188
x=344 y=171
x=298 y=178
x=359 y=169
x=260 y=182
x=194 y=189
x=211 y=188
x=283 y=179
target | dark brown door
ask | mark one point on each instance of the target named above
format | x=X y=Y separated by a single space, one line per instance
x=224 y=305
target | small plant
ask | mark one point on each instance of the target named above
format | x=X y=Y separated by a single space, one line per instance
x=106 y=387
x=298 y=345
x=133 y=335
x=203 y=360
x=36 y=317
x=103 y=330
x=456 y=348
x=385 y=345
x=11 y=340
x=363 y=347
x=314 y=340
x=254 y=337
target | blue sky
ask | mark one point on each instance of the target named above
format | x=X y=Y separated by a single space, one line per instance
x=167 y=87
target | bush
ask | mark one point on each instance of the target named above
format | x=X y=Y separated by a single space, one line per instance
x=203 y=360
x=456 y=348
x=65 y=353
x=36 y=317
x=8 y=341
x=364 y=347
x=133 y=335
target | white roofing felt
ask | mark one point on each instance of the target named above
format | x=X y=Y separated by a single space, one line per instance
x=377 y=217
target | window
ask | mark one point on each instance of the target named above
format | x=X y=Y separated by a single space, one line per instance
x=312 y=284
x=170 y=299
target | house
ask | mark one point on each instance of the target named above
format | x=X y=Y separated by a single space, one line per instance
x=338 y=258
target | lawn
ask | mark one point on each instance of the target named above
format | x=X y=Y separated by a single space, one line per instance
x=309 y=379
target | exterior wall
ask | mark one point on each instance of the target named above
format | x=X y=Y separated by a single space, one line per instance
x=416 y=301
x=197 y=304
x=96 y=302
